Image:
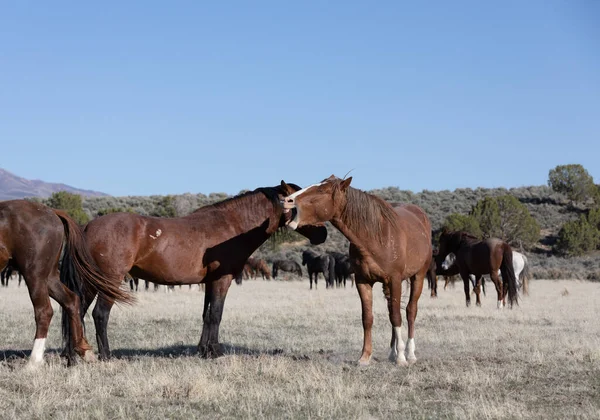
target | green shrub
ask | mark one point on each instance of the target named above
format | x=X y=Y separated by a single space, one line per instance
x=578 y=237
x=71 y=203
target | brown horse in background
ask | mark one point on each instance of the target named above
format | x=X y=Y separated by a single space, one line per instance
x=479 y=257
x=432 y=275
x=32 y=237
x=209 y=246
x=258 y=266
x=387 y=244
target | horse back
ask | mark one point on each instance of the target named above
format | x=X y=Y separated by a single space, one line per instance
x=28 y=228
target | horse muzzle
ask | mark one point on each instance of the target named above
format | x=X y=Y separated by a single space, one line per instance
x=290 y=212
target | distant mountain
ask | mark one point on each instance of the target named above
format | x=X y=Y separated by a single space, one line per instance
x=13 y=187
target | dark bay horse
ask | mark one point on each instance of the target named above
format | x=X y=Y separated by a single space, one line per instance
x=432 y=275
x=32 y=239
x=286 y=265
x=209 y=246
x=479 y=257
x=316 y=263
x=343 y=268
x=387 y=244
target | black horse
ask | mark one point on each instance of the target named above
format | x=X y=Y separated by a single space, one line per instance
x=316 y=264
x=343 y=268
x=286 y=265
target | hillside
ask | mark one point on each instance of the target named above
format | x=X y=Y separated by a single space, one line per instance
x=14 y=187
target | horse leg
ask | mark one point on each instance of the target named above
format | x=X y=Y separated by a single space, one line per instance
x=397 y=345
x=365 y=292
x=416 y=287
x=38 y=293
x=76 y=342
x=101 y=314
x=465 y=277
x=214 y=301
x=498 y=284
x=477 y=290
x=147 y=285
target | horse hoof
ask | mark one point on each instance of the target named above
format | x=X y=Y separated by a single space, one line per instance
x=364 y=362
x=31 y=366
x=400 y=362
x=210 y=351
x=89 y=357
x=412 y=360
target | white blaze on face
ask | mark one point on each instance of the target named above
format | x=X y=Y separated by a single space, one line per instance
x=37 y=353
x=293 y=224
x=303 y=190
x=449 y=261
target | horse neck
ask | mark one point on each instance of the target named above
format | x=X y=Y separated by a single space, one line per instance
x=340 y=224
x=253 y=210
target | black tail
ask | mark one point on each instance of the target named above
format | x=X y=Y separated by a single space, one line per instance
x=508 y=274
x=79 y=273
x=70 y=278
x=525 y=276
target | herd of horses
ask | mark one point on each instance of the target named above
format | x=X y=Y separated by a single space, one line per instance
x=389 y=243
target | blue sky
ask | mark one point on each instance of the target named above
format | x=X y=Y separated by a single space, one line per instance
x=140 y=98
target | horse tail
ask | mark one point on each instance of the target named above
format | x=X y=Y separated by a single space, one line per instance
x=525 y=276
x=508 y=273
x=79 y=273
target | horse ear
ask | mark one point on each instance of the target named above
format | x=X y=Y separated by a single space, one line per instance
x=286 y=188
x=345 y=184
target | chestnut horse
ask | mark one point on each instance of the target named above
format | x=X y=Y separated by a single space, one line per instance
x=479 y=257
x=258 y=266
x=210 y=246
x=32 y=239
x=387 y=244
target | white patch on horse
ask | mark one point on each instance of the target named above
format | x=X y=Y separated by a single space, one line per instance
x=397 y=352
x=303 y=190
x=158 y=233
x=37 y=353
x=500 y=305
x=410 y=350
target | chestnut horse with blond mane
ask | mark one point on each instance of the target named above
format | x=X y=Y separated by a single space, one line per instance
x=33 y=238
x=209 y=246
x=388 y=244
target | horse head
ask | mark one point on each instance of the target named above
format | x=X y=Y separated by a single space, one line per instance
x=317 y=203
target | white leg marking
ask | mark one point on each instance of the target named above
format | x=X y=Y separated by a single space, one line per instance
x=410 y=350
x=399 y=344
x=89 y=356
x=499 y=304
x=37 y=353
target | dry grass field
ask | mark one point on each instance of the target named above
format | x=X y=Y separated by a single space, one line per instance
x=292 y=354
